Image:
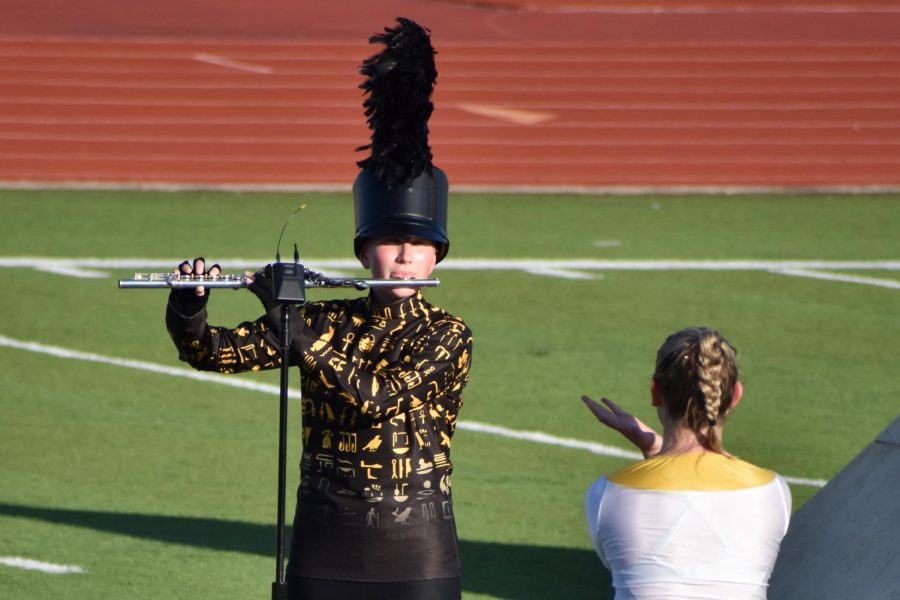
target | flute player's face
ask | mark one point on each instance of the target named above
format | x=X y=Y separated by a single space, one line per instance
x=398 y=258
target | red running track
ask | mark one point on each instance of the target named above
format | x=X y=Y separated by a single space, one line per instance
x=538 y=94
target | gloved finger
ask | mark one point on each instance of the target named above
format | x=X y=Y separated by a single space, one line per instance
x=184 y=268
x=262 y=287
x=199 y=265
x=214 y=270
x=262 y=276
x=260 y=283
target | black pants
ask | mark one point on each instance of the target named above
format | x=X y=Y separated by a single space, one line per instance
x=304 y=588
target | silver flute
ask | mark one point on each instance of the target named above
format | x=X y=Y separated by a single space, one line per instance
x=312 y=279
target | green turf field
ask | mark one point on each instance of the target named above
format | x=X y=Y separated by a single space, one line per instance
x=161 y=486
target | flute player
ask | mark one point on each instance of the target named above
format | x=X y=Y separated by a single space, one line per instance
x=382 y=376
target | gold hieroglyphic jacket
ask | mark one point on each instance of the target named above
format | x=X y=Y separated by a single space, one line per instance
x=381 y=391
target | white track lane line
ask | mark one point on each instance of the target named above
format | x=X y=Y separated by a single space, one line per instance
x=748 y=9
x=222 y=61
x=99 y=180
x=536 y=161
x=543 y=142
x=269 y=102
x=559 y=53
x=685 y=125
x=531 y=436
x=153 y=46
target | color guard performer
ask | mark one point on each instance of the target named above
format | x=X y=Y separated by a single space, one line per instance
x=690 y=521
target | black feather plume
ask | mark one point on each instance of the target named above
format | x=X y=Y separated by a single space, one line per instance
x=399 y=83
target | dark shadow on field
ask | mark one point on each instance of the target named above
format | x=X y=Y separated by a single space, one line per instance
x=511 y=571
x=533 y=572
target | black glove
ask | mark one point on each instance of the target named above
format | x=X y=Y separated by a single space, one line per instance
x=186 y=301
x=263 y=288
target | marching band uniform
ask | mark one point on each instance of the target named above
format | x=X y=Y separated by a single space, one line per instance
x=381 y=387
x=381 y=383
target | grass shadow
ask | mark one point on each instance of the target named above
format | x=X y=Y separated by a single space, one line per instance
x=501 y=570
x=517 y=571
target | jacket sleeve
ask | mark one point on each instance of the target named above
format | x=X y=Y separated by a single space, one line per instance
x=432 y=368
x=251 y=346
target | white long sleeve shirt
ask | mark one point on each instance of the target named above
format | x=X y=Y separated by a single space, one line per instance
x=698 y=526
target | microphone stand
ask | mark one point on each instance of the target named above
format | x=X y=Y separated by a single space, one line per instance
x=289 y=284
x=279 y=589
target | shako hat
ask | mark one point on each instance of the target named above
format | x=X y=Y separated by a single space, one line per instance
x=399 y=192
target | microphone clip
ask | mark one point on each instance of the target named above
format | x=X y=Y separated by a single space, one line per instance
x=289 y=280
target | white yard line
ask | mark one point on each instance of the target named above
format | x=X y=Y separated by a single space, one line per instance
x=531 y=436
x=545 y=438
x=567 y=269
x=140 y=365
x=37 y=565
x=886 y=283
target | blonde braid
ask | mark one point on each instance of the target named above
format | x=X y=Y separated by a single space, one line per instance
x=697 y=369
x=709 y=383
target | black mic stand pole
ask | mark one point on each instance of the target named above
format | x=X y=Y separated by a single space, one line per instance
x=289 y=285
x=279 y=589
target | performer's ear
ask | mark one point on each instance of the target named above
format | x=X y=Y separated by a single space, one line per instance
x=364 y=254
x=655 y=394
x=738 y=394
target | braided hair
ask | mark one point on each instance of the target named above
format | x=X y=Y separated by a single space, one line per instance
x=696 y=370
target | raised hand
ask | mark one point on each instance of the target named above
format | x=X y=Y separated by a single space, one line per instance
x=198 y=267
x=260 y=283
x=635 y=431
